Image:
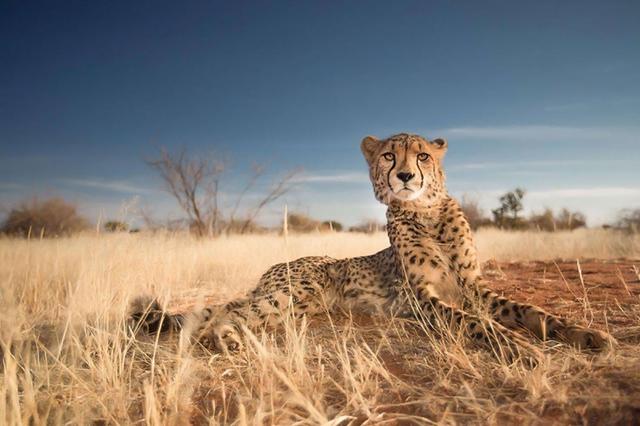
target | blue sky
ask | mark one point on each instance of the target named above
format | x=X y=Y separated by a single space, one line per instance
x=542 y=95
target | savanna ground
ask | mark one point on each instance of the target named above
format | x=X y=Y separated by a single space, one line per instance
x=68 y=356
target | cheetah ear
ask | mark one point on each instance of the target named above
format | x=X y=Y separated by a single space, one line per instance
x=440 y=144
x=369 y=146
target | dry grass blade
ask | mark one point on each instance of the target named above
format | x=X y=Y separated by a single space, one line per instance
x=68 y=356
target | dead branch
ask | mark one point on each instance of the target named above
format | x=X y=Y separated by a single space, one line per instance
x=280 y=188
x=193 y=182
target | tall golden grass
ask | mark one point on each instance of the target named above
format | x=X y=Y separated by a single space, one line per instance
x=68 y=357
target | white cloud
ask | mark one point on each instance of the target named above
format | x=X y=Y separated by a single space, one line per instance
x=8 y=186
x=532 y=133
x=114 y=186
x=568 y=107
x=563 y=193
x=515 y=164
x=597 y=192
x=346 y=177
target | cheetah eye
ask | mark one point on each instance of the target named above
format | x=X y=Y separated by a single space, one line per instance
x=388 y=156
x=423 y=156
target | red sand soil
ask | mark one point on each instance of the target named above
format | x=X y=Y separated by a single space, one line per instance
x=604 y=292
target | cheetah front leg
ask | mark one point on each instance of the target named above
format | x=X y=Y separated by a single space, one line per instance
x=425 y=265
x=541 y=323
x=502 y=342
x=457 y=237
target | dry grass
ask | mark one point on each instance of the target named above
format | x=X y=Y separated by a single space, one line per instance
x=68 y=358
x=581 y=243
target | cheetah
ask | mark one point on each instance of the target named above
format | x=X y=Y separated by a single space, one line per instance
x=430 y=270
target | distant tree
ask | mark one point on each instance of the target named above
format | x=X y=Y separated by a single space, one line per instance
x=499 y=217
x=53 y=217
x=506 y=216
x=629 y=219
x=474 y=214
x=512 y=202
x=116 y=226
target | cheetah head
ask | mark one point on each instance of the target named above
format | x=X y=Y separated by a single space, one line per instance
x=406 y=169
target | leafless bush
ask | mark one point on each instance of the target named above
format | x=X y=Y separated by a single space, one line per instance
x=300 y=222
x=53 y=217
x=116 y=226
x=368 y=226
x=194 y=181
x=242 y=226
x=331 y=225
x=474 y=213
x=629 y=219
x=565 y=220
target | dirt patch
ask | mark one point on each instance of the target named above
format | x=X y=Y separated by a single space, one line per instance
x=425 y=378
x=605 y=293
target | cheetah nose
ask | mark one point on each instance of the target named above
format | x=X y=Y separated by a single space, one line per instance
x=405 y=177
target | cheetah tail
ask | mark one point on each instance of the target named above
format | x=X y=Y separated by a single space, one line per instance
x=146 y=316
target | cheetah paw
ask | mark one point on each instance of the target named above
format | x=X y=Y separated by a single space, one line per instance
x=221 y=337
x=587 y=339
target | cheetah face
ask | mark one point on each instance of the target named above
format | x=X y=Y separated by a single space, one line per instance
x=406 y=169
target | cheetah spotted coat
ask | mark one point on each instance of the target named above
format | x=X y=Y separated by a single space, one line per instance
x=430 y=270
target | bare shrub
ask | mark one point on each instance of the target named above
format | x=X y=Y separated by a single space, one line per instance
x=53 y=217
x=368 y=226
x=276 y=191
x=629 y=219
x=570 y=220
x=242 y=226
x=565 y=220
x=474 y=213
x=300 y=222
x=331 y=225
x=116 y=226
x=194 y=181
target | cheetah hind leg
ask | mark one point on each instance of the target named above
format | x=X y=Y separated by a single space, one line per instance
x=146 y=316
x=213 y=329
